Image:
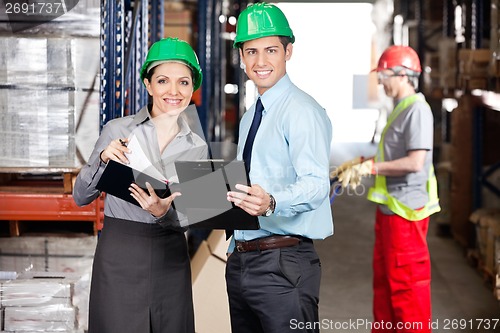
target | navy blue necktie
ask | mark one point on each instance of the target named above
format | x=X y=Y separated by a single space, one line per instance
x=247 y=151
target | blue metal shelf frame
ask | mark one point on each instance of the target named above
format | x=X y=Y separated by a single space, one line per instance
x=111 y=97
x=128 y=28
x=486 y=183
x=212 y=53
x=204 y=50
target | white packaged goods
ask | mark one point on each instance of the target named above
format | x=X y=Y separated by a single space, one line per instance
x=40 y=319
x=48 y=87
x=36 y=292
x=38 y=302
x=52 y=276
x=47 y=254
x=43 y=82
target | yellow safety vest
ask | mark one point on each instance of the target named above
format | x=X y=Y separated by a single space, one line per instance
x=379 y=193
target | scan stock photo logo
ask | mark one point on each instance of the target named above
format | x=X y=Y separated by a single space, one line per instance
x=23 y=15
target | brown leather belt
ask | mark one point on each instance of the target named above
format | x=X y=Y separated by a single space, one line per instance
x=268 y=243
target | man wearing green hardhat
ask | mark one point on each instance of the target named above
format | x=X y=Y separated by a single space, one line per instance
x=273 y=274
x=261 y=20
x=141 y=277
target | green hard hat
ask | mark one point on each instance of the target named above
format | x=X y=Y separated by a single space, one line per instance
x=261 y=20
x=173 y=49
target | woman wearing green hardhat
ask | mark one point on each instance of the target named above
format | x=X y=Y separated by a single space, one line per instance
x=141 y=278
x=273 y=274
x=172 y=49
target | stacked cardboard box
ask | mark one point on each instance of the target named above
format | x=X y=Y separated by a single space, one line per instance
x=211 y=304
x=497 y=262
x=448 y=64
x=493 y=222
x=474 y=68
x=178 y=23
x=487 y=222
x=440 y=72
x=432 y=74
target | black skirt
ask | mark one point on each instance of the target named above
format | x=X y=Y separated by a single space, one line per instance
x=141 y=280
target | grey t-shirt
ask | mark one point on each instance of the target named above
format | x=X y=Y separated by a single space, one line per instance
x=413 y=129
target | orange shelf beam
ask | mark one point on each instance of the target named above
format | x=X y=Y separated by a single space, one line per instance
x=49 y=207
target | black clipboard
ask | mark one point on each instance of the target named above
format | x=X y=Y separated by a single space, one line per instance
x=117 y=177
x=204 y=185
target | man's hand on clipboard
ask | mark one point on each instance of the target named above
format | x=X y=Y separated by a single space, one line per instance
x=252 y=199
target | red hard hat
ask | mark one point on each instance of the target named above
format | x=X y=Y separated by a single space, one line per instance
x=397 y=55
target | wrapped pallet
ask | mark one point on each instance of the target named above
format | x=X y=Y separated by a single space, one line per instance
x=35 y=303
x=47 y=80
x=42 y=89
x=46 y=275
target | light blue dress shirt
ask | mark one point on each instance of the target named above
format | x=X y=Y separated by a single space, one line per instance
x=290 y=160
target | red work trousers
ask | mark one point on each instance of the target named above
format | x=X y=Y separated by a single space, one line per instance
x=401 y=275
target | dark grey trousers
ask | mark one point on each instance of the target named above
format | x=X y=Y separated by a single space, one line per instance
x=274 y=291
x=141 y=280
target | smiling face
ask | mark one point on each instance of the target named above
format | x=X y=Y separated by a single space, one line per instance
x=265 y=61
x=171 y=86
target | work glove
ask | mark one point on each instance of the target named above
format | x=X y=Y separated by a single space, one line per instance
x=352 y=172
x=344 y=166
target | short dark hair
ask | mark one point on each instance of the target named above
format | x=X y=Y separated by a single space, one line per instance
x=284 y=40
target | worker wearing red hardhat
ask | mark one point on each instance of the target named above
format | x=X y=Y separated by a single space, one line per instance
x=273 y=274
x=406 y=191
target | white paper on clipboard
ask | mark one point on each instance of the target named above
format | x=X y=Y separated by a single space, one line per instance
x=139 y=161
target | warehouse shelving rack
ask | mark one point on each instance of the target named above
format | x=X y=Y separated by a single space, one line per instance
x=127 y=30
x=44 y=194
